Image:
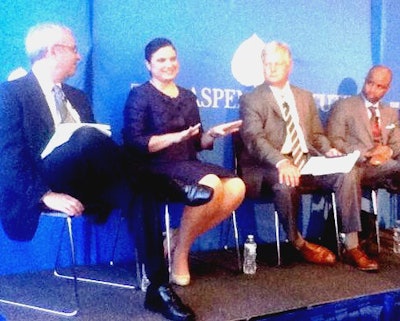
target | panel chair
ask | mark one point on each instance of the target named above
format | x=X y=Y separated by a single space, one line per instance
x=267 y=192
x=266 y=198
x=72 y=311
x=373 y=192
x=167 y=221
x=374 y=200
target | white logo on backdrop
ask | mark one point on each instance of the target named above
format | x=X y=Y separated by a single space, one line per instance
x=16 y=73
x=246 y=65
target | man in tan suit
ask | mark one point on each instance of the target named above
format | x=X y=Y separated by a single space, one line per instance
x=351 y=127
x=270 y=156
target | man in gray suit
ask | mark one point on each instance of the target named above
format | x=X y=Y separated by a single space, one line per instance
x=351 y=127
x=280 y=119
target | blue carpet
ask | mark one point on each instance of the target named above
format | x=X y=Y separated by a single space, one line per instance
x=381 y=307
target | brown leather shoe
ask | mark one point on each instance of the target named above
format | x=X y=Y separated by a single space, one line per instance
x=317 y=254
x=359 y=259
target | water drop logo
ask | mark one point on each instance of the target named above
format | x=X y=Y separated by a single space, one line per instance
x=246 y=65
x=16 y=73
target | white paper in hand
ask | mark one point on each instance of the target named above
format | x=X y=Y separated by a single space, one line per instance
x=321 y=165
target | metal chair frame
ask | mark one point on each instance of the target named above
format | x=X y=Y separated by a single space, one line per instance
x=73 y=311
x=167 y=219
x=237 y=147
x=374 y=199
x=277 y=230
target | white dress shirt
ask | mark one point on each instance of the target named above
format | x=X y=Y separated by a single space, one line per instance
x=46 y=84
x=282 y=95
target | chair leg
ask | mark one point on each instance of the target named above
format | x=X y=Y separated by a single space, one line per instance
x=73 y=258
x=114 y=248
x=167 y=221
x=374 y=198
x=64 y=313
x=236 y=235
x=136 y=254
x=277 y=237
x=335 y=218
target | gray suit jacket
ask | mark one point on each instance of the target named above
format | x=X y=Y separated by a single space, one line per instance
x=349 y=127
x=264 y=131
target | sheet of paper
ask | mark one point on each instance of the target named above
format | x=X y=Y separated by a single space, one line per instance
x=321 y=165
x=65 y=131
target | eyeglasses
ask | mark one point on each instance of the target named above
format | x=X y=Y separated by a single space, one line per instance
x=74 y=49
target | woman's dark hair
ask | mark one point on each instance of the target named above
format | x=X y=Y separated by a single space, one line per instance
x=156 y=44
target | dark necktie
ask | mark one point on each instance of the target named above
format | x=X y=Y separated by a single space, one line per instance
x=61 y=105
x=299 y=158
x=376 y=130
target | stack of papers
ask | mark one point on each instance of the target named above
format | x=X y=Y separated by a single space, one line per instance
x=321 y=165
x=64 y=132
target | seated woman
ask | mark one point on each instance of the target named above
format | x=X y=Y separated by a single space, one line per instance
x=162 y=129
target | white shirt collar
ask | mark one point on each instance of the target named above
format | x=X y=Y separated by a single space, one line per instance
x=285 y=91
x=368 y=103
x=45 y=82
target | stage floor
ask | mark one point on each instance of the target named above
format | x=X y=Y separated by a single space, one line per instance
x=218 y=291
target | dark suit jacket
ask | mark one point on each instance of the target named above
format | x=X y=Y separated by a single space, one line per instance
x=349 y=127
x=26 y=126
x=264 y=131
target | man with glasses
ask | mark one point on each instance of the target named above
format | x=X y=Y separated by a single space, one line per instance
x=76 y=176
x=281 y=129
x=83 y=174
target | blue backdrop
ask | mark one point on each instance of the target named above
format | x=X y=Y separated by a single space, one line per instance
x=334 y=43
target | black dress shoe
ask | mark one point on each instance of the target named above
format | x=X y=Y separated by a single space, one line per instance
x=164 y=300
x=190 y=194
x=197 y=194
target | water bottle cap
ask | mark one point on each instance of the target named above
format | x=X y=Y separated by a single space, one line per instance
x=250 y=236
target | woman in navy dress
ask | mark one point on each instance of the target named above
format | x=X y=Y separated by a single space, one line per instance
x=162 y=127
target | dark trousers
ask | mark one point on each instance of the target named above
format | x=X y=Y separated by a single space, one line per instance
x=91 y=168
x=386 y=175
x=287 y=199
x=147 y=226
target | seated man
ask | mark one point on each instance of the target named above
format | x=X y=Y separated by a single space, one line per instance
x=85 y=174
x=281 y=128
x=364 y=123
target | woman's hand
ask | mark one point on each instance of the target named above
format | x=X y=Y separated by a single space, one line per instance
x=187 y=133
x=225 y=129
x=160 y=142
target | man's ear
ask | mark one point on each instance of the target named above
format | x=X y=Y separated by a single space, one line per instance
x=147 y=64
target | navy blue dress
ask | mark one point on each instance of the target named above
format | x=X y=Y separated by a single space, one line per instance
x=149 y=112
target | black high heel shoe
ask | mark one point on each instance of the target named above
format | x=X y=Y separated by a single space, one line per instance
x=190 y=194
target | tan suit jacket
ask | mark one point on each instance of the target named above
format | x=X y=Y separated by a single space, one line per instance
x=349 y=126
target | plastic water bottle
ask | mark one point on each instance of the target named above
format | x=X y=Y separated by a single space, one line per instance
x=396 y=237
x=250 y=255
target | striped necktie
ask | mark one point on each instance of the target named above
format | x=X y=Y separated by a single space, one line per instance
x=61 y=105
x=299 y=158
x=376 y=130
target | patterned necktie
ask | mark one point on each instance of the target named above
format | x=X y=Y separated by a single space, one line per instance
x=299 y=158
x=376 y=130
x=61 y=105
